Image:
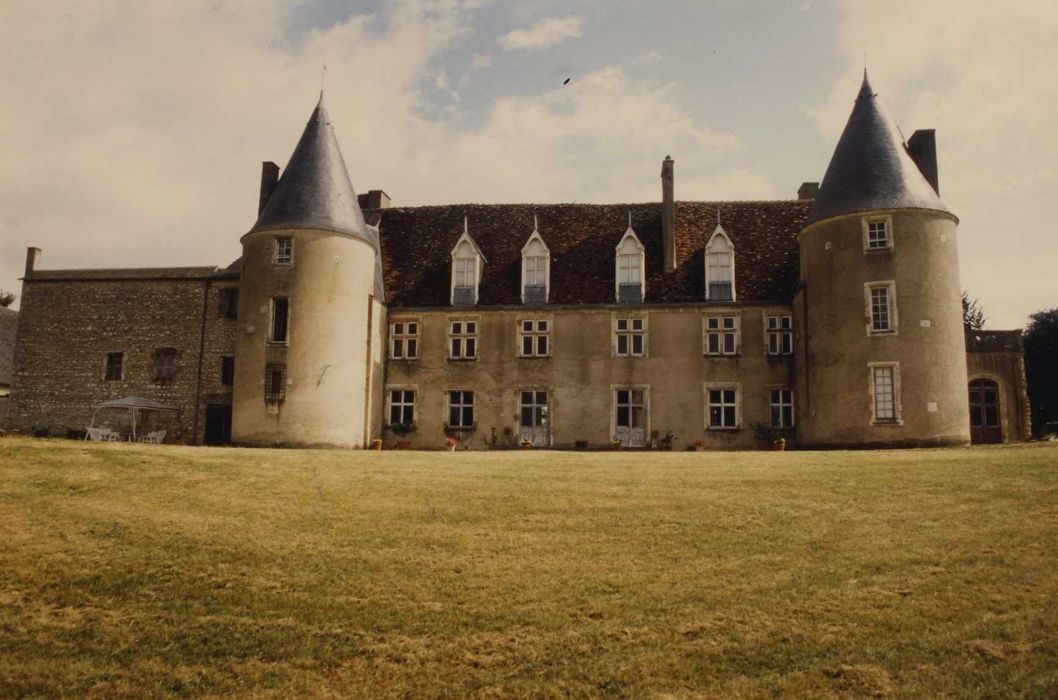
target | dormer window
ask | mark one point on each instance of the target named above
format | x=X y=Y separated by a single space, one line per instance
x=536 y=269
x=719 y=267
x=467 y=263
x=630 y=262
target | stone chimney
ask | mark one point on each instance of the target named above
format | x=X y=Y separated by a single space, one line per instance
x=373 y=199
x=668 y=215
x=269 y=178
x=808 y=190
x=32 y=256
x=922 y=147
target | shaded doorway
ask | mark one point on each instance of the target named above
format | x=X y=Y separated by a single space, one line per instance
x=984 y=412
x=218 y=424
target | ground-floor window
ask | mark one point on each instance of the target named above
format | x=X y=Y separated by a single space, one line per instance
x=723 y=407
x=781 y=400
x=461 y=409
x=630 y=416
x=402 y=407
x=534 y=417
x=884 y=398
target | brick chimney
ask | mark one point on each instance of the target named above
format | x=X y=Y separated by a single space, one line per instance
x=269 y=178
x=32 y=256
x=922 y=147
x=668 y=215
x=808 y=190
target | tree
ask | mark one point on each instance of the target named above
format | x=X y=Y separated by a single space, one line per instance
x=6 y=298
x=1041 y=366
x=973 y=316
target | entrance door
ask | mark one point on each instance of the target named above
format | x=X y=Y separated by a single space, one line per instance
x=218 y=424
x=534 y=424
x=630 y=419
x=984 y=412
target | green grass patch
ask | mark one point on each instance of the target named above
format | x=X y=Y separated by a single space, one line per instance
x=134 y=571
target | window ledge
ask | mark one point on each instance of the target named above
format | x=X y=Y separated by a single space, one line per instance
x=887 y=421
x=460 y=428
x=887 y=249
x=721 y=428
x=462 y=359
x=721 y=354
x=403 y=359
x=881 y=333
x=278 y=343
x=534 y=357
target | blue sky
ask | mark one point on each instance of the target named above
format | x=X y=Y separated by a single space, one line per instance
x=133 y=132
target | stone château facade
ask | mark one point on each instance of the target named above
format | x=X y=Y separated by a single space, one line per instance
x=832 y=320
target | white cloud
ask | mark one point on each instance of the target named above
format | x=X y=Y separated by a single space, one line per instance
x=544 y=33
x=981 y=74
x=128 y=149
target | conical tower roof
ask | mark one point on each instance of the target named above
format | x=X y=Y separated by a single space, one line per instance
x=871 y=168
x=314 y=191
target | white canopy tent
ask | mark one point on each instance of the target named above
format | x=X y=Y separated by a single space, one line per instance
x=133 y=404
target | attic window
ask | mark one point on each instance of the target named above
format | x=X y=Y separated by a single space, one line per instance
x=467 y=262
x=719 y=267
x=536 y=259
x=630 y=262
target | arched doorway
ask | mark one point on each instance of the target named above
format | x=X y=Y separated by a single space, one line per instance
x=984 y=412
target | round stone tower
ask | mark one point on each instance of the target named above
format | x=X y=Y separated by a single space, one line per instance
x=309 y=286
x=881 y=355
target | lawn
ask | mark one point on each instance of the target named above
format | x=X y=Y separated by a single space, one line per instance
x=131 y=571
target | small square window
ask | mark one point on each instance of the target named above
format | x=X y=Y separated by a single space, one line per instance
x=402 y=407
x=284 y=251
x=404 y=340
x=721 y=335
x=534 y=339
x=114 y=369
x=164 y=364
x=463 y=340
x=630 y=338
x=878 y=235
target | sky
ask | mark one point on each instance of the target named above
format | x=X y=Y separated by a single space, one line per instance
x=132 y=132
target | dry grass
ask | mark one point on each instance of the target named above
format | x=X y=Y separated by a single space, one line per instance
x=143 y=571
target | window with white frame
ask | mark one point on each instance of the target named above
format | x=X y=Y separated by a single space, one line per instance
x=720 y=267
x=463 y=340
x=780 y=334
x=885 y=399
x=781 y=400
x=283 y=253
x=402 y=407
x=881 y=307
x=629 y=274
x=877 y=234
x=721 y=335
x=467 y=262
x=722 y=409
x=630 y=337
x=534 y=338
x=535 y=270
x=460 y=409
x=404 y=340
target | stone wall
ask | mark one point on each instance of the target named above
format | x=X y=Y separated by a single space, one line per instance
x=68 y=325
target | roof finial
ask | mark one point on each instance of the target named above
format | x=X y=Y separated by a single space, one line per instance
x=535 y=226
x=323 y=79
x=718 y=217
x=465 y=228
x=629 y=218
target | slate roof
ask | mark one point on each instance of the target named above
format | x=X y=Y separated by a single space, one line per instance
x=314 y=191
x=131 y=273
x=8 y=328
x=994 y=341
x=417 y=244
x=871 y=168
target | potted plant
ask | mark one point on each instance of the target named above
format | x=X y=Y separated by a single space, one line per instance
x=401 y=430
x=699 y=444
x=615 y=443
x=779 y=445
x=526 y=444
x=452 y=442
x=666 y=442
x=376 y=444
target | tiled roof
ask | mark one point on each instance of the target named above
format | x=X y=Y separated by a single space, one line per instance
x=417 y=242
x=993 y=341
x=8 y=327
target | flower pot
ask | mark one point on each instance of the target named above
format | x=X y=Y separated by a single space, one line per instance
x=403 y=444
